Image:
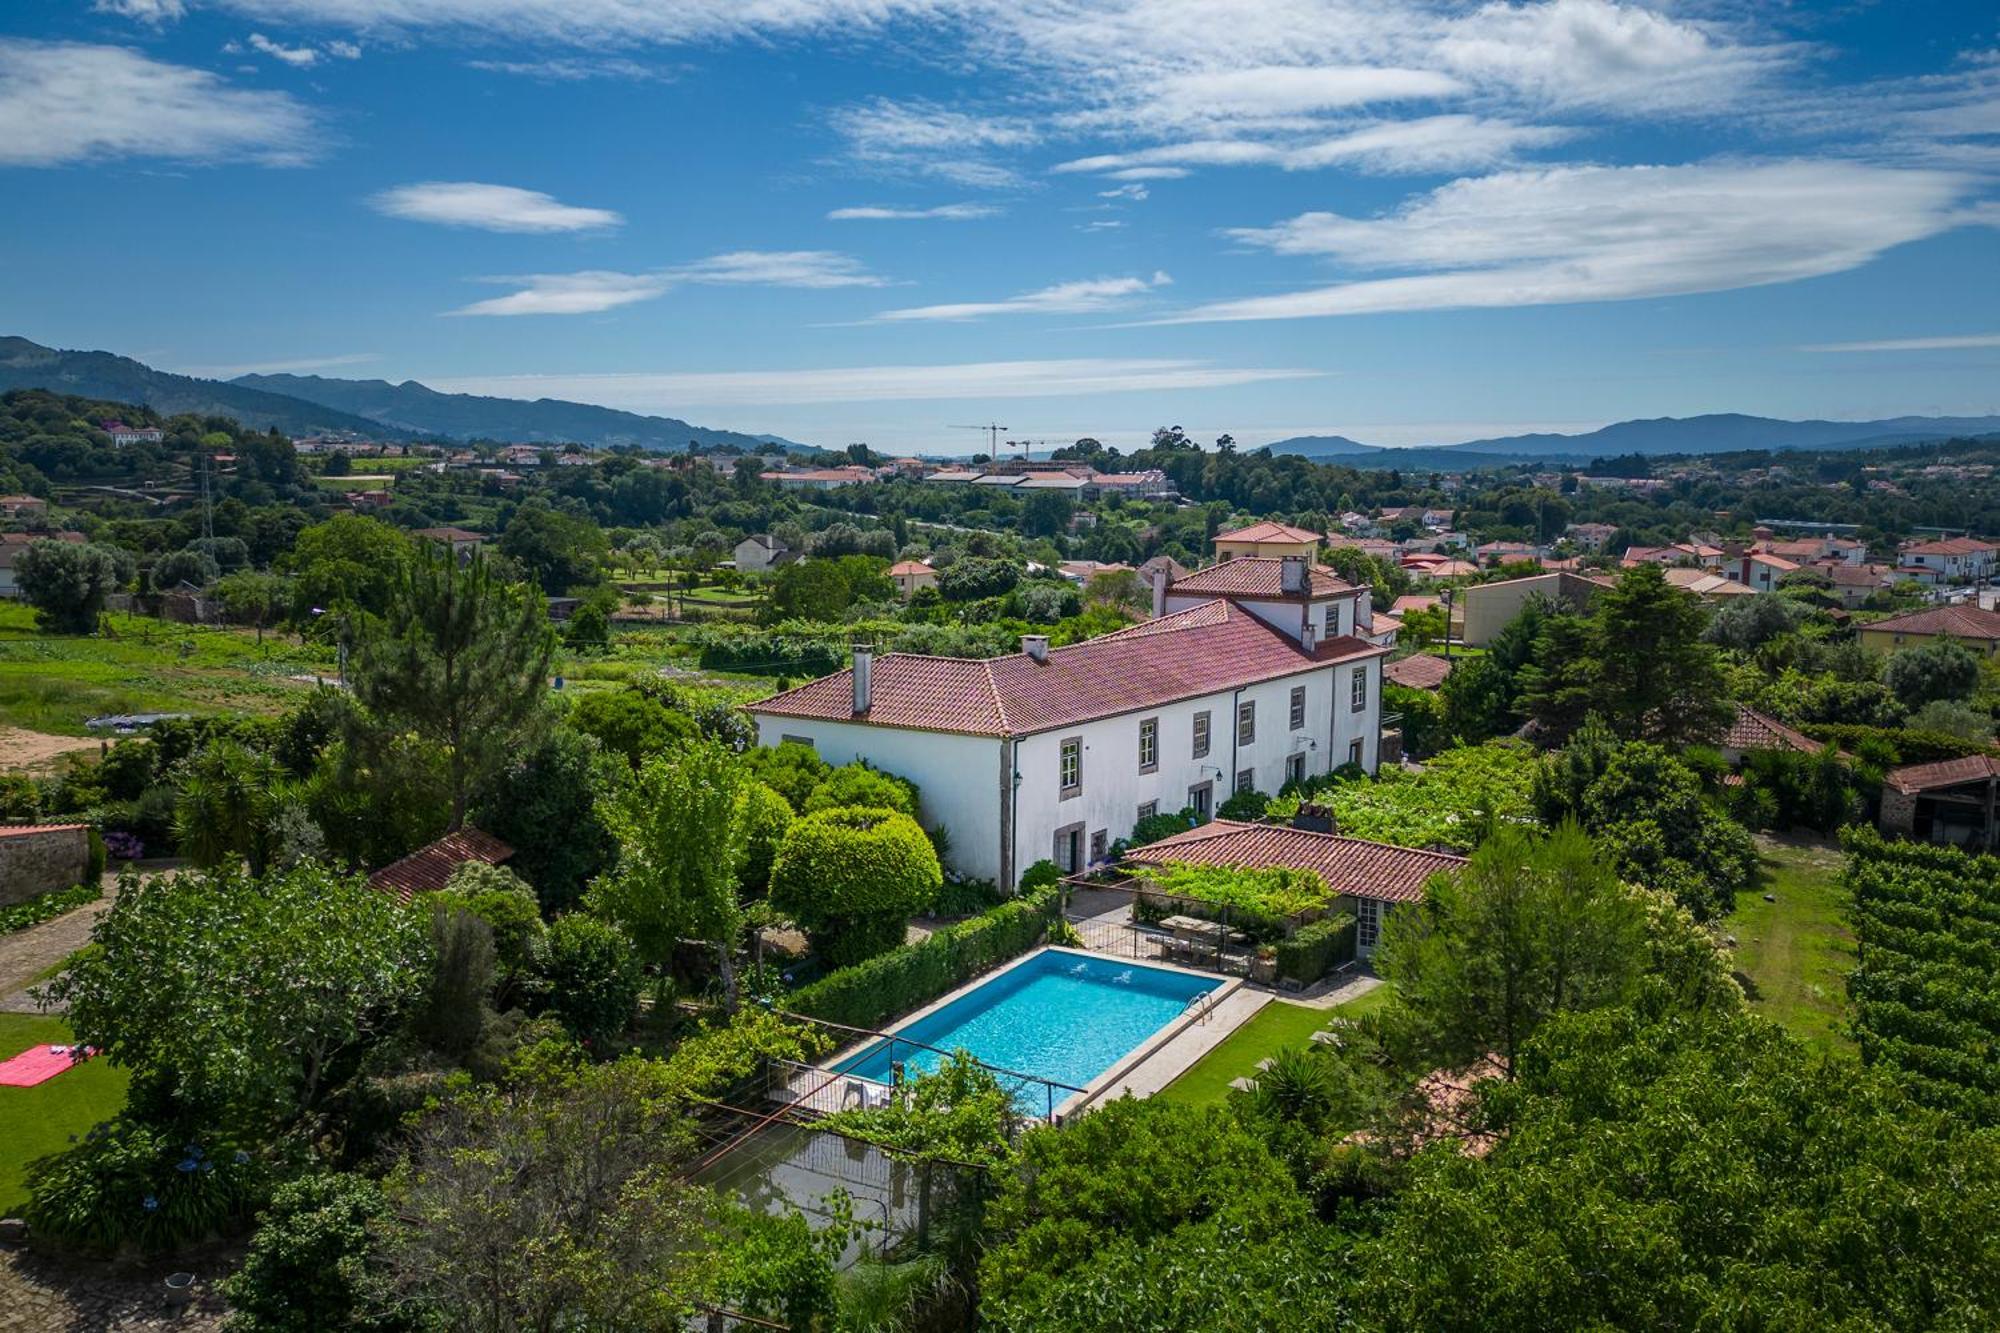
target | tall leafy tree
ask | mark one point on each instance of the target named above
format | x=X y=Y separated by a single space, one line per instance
x=460 y=659
x=1527 y=930
x=231 y=802
x=68 y=582
x=1656 y=678
x=681 y=843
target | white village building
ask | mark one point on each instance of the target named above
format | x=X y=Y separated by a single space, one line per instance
x=1251 y=673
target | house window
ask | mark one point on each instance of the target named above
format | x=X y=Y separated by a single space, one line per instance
x=1298 y=708
x=806 y=741
x=1367 y=925
x=1295 y=767
x=1246 y=779
x=1100 y=845
x=1069 y=849
x=1147 y=809
x=1072 y=767
x=1354 y=752
x=1201 y=735
x=1358 y=692
x=1149 y=744
x=1201 y=800
x=1246 y=722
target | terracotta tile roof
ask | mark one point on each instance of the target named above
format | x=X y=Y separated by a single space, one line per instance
x=1415 y=601
x=1775 y=561
x=1268 y=531
x=910 y=567
x=1913 y=778
x=1858 y=576
x=1257 y=576
x=1949 y=546
x=1452 y=569
x=1752 y=730
x=449 y=534
x=426 y=869
x=1205 y=649
x=1420 y=672
x=29 y=830
x=1348 y=865
x=1960 y=622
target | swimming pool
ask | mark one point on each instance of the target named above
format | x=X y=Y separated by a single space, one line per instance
x=1060 y=1016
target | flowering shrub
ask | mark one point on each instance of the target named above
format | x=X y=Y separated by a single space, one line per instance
x=122 y=846
x=131 y=1185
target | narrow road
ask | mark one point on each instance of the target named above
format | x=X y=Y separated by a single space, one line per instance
x=26 y=954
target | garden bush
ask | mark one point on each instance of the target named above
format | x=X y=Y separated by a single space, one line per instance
x=1904 y=746
x=46 y=907
x=966 y=897
x=1247 y=805
x=131 y=1185
x=587 y=975
x=1155 y=827
x=859 y=786
x=790 y=769
x=854 y=878
x=766 y=814
x=1042 y=874
x=1316 y=949
x=891 y=984
x=310 y=1265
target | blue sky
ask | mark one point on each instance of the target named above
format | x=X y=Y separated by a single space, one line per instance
x=1404 y=221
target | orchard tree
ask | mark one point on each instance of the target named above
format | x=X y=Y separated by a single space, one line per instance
x=347 y=564
x=459 y=659
x=681 y=843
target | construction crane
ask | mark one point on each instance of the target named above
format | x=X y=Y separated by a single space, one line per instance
x=992 y=437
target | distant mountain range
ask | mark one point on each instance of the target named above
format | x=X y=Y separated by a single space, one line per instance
x=311 y=405
x=1717 y=433
x=414 y=407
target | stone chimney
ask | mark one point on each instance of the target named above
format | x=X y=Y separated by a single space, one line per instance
x=1308 y=635
x=1292 y=578
x=864 y=678
x=1159 y=592
x=1036 y=646
x=1313 y=817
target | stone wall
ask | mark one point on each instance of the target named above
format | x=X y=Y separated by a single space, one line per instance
x=37 y=860
x=1899 y=811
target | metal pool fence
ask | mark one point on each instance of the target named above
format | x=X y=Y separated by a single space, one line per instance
x=821 y=1089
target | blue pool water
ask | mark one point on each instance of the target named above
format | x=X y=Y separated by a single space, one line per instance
x=1058 y=1016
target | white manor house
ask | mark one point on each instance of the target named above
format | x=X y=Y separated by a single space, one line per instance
x=1250 y=672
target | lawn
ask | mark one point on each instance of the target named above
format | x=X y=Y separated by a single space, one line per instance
x=40 y=1120
x=52 y=683
x=1794 y=954
x=1277 y=1025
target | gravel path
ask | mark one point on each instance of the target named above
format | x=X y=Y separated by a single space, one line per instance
x=42 y=1293
x=26 y=954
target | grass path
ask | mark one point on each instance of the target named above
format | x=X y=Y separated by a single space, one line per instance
x=1277 y=1025
x=1794 y=953
x=40 y=1120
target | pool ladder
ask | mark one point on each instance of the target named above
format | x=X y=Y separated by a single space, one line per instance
x=1201 y=1006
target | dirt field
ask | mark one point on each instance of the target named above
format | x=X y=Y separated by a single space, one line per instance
x=24 y=751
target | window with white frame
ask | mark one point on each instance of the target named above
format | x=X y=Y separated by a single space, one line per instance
x=1149 y=744
x=1147 y=809
x=1246 y=722
x=1298 y=708
x=1071 y=766
x=1367 y=925
x=1201 y=799
x=1358 y=690
x=1201 y=734
x=1246 y=779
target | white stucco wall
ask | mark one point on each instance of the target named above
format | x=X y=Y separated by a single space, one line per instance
x=957 y=777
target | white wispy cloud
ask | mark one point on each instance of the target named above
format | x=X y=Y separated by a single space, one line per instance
x=72 y=101
x=298 y=57
x=155 y=12
x=489 y=208
x=1571 y=234
x=942 y=213
x=1064 y=298
x=923 y=138
x=1945 y=343
x=230 y=372
x=1429 y=144
x=593 y=291
x=585 y=293
x=780 y=268
x=1136 y=193
x=573 y=69
x=968 y=380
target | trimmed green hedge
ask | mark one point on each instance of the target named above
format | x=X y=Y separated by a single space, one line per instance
x=890 y=985
x=1910 y=747
x=1316 y=949
x=853 y=877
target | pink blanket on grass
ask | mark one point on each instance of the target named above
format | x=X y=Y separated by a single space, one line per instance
x=37 y=1064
